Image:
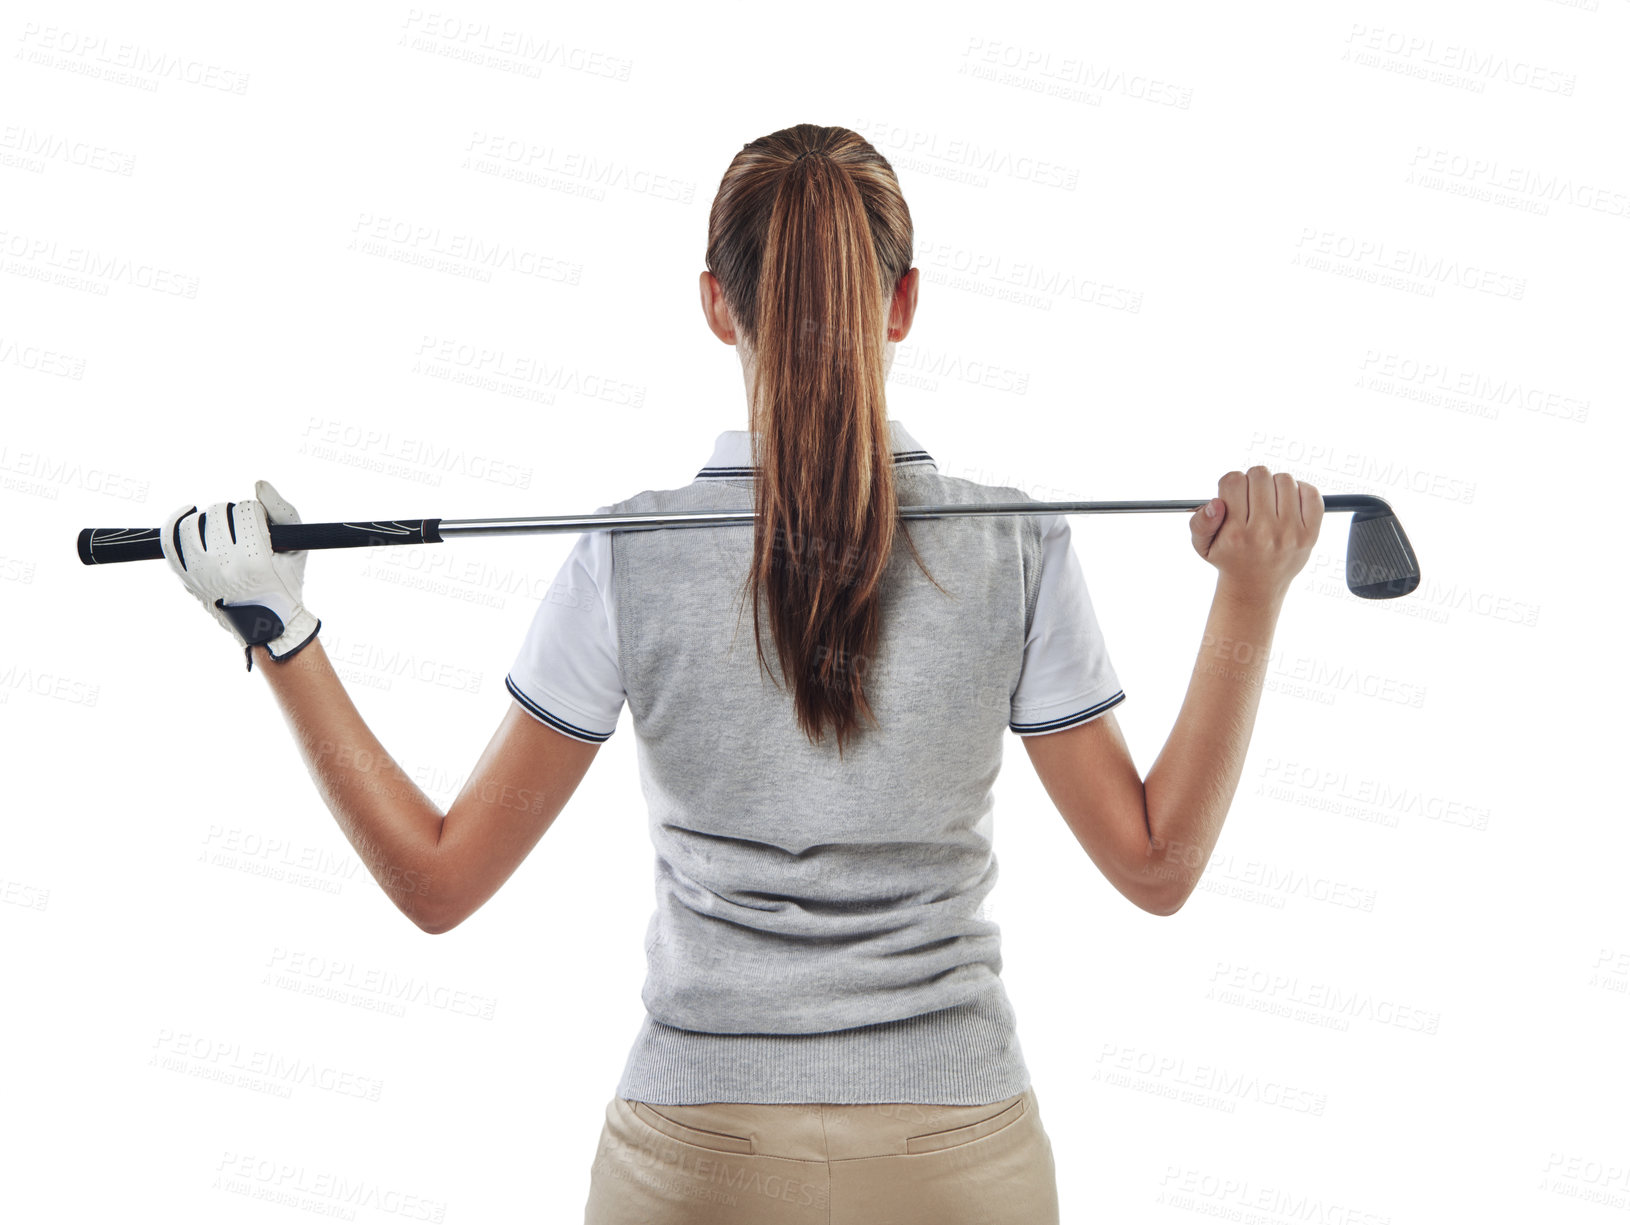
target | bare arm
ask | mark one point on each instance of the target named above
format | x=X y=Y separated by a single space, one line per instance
x=1192 y=782
x=1153 y=838
x=436 y=869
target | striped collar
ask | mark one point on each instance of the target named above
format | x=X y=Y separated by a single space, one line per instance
x=732 y=458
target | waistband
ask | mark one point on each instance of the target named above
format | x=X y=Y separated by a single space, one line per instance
x=966 y=1055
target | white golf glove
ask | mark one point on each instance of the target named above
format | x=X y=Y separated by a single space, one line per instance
x=224 y=557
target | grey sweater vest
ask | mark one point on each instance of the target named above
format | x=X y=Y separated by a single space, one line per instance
x=818 y=933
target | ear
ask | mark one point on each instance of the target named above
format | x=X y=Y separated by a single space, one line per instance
x=903 y=306
x=714 y=309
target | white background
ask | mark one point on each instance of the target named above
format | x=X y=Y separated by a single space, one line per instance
x=1380 y=246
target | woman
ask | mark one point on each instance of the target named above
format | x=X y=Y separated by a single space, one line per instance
x=827 y=1035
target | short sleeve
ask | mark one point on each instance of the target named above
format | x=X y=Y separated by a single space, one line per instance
x=1067 y=677
x=566 y=673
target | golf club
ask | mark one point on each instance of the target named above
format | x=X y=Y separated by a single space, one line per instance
x=1380 y=563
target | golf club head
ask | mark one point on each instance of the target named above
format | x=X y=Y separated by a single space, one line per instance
x=1380 y=563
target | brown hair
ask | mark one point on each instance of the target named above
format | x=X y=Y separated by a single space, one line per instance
x=808 y=237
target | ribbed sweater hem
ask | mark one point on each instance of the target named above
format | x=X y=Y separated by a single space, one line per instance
x=965 y=1055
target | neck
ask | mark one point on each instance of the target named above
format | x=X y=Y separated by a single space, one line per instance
x=747 y=377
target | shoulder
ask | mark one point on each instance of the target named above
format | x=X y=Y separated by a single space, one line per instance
x=931 y=488
x=698 y=495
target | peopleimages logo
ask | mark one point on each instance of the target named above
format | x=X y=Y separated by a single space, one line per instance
x=1373 y=259
x=1072 y=77
x=1469 y=391
x=1449 y=57
x=121 y=62
x=88 y=269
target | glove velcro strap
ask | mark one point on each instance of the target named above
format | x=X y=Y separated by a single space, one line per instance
x=259 y=625
x=256 y=624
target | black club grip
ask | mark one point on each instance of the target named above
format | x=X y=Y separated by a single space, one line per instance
x=98 y=546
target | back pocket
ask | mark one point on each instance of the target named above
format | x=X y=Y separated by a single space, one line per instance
x=934 y=1141
x=718 y=1141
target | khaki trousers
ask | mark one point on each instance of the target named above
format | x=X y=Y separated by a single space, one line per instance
x=734 y=1163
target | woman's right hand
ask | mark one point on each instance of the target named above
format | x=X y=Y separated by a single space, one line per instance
x=1262 y=533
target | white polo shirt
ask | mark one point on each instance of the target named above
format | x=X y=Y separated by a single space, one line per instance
x=566 y=673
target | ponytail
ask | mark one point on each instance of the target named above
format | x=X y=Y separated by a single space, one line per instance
x=809 y=237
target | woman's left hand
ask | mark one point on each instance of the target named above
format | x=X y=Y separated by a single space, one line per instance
x=224 y=557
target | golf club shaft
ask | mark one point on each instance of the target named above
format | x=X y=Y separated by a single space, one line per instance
x=104 y=545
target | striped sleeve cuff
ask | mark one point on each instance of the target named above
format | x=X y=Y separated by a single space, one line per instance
x=566 y=728
x=1085 y=715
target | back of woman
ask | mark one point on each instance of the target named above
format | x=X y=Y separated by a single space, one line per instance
x=820 y=701
x=802 y=892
